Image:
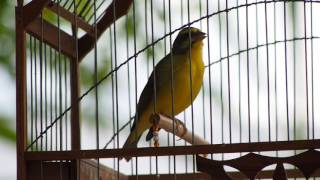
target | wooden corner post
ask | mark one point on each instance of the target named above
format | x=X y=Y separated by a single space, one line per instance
x=75 y=118
x=21 y=99
x=75 y=110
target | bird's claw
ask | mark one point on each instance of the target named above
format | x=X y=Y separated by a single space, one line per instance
x=155 y=131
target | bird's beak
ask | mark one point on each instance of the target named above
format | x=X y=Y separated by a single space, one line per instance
x=198 y=36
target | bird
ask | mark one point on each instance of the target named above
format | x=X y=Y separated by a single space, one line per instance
x=187 y=48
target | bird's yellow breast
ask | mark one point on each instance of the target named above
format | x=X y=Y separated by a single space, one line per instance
x=185 y=82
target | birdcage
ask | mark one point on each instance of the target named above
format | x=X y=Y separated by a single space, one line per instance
x=81 y=66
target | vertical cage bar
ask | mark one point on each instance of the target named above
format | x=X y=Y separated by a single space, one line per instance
x=294 y=79
x=95 y=80
x=221 y=77
x=312 y=68
x=35 y=91
x=286 y=69
x=275 y=75
x=31 y=88
x=112 y=95
x=41 y=83
x=60 y=86
x=171 y=88
x=41 y=91
x=170 y=37
x=60 y=93
x=257 y=72
x=154 y=75
x=268 y=74
x=228 y=72
x=191 y=90
x=51 y=99
x=135 y=74
x=66 y=102
x=239 y=75
x=55 y=100
x=148 y=69
x=248 y=73
x=306 y=67
x=45 y=96
x=209 y=74
x=116 y=80
x=129 y=84
x=165 y=53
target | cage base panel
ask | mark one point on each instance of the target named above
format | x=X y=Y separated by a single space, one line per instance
x=88 y=170
x=52 y=170
x=49 y=170
x=178 y=150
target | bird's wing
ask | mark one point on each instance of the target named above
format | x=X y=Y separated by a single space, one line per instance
x=145 y=98
x=163 y=67
x=146 y=95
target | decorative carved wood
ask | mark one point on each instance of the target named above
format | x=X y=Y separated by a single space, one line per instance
x=251 y=164
x=279 y=173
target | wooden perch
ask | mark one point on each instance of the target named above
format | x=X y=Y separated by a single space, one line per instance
x=178 y=128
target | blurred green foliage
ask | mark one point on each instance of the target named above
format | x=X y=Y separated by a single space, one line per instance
x=6 y=131
x=7 y=36
x=7 y=60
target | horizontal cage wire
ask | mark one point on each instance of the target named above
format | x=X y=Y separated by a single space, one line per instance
x=259 y=83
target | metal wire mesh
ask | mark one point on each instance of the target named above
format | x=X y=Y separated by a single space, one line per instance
x=259 y=82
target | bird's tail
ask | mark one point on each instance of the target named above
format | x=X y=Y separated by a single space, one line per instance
x=132 y=141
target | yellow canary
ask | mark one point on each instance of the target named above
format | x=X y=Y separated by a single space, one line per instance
x=187 y=44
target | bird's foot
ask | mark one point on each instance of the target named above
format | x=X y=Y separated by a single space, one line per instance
x=155 y=131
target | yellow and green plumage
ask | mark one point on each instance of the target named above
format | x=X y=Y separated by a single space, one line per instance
x=187 y=37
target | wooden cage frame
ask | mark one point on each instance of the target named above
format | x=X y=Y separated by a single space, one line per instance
x=28 y=21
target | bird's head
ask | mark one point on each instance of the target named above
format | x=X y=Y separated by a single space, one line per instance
x=187 y=36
